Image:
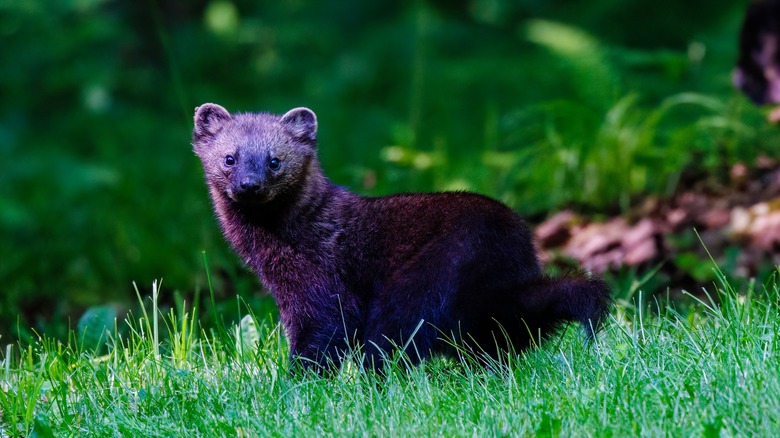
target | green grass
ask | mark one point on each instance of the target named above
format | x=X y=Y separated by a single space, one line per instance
x=707 y=371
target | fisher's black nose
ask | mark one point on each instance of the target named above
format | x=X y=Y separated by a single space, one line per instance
x=250 y=184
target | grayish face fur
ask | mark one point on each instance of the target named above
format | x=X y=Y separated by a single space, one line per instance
x=254 y=157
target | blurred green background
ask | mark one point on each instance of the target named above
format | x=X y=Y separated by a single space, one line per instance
x=543 y=104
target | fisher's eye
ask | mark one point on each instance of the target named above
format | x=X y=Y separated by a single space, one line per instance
x=275 y=164
x=230 y=161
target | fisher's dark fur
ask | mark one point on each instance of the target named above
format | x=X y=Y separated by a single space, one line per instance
x=414 y=270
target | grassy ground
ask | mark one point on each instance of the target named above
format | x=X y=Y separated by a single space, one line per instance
x=709 y=370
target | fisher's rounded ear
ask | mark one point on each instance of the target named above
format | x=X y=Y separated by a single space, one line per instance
x=301 y=123
x=209 y=119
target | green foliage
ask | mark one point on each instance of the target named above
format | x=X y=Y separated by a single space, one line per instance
x=539 y=105
x=94 y=324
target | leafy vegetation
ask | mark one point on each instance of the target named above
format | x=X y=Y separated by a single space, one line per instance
x=706 y=371
x=588 y=105
x=541 y=104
